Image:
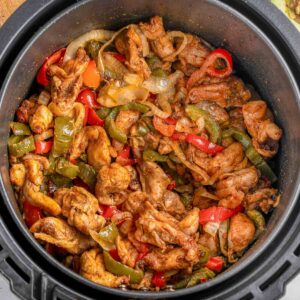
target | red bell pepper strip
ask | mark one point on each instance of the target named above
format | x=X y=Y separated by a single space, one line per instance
x=88 y=97
x=42 y=78
x=179 y=136
x=203 y=144
x=215 y=263
x=93 y=118
x=43 y=147
x=158 y=279
x=172 y=185
x=125 y=152
x=123 y=157
x=31 y=213
x=119 y=57
x=114 y=254
x=216 y=214
x=108 y=211
x=170 y=121
x=143 y=250
x=209 y=67
x=163 y=127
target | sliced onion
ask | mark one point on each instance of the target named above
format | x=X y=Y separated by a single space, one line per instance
x=204 y=193
x=211 y=228
x=157 y=85
x=133 y=79
x=44 y=98
x=112 y=64
x=178 y=152
x=184 y=124
x=179 y=34
x=97 y=34
x=145 y=44
x=156 y=111
x=100 y=64
x=223 y=236
x=163 y=102
x=200 y=123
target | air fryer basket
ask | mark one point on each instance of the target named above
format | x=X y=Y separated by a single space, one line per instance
x=266 y=49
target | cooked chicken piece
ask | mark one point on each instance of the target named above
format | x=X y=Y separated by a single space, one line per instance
x=129 y=43
x=241 y=233
x=80 y=207
x=159 y=229
x=174 y=259
x=125 y=119
x=66 y=83
x=126 y=251
x=190 y=224
x=97 y=143
x=164 y=146
x=154 y=180
x=217 y=112
x=112 y=183
x=57 y=232
x=193 y=55
x=232 y=187
x=137 y=143
x=265 y=198
x=172 y=204
x=265 y=133
x=34 y=165
x=134 y=184
x=17 y=174
x=135 y=202
x=125 y=221
x=41 y=119
x=224 y=161
x=229 y=93
x=92 y=267
x=146 y=282
x=160 y=42
x=152 y=139
x=209 y=242
x=237 y=119
x=26 y=110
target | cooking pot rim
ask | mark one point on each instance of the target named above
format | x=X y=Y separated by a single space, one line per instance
x=220 y=278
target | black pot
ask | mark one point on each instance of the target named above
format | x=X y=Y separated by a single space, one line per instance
x=266 y=48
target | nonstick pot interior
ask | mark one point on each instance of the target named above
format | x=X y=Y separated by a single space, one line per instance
x=261 y=56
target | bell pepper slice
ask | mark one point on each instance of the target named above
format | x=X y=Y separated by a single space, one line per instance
x=143 y=251
x=113 y=131
x=91 y=76
x=216 y=70
x=179 y=136
x=31 y=213
x=119 y=57
x=88 y=97
x=107 y=211
x=19 y=146
x=172 y=185
x=211 y=125
x=240 y=136
x=19 y=128
x=119 y=269
x=106 y=236
x=63 y=135
x=114 y=254
x=125 y=152
x=93 y=118
x=163 y=127
x=135 y=106
x=42 y=78
x=158 y=279
x=258 y=220
x=216 y=214
x=87 y=174
x=203 y=144
x=151 y=155
x=66 y=168
x=223 y=236
x=60 y=180
x=215 y=263
x=43 y=147
x=103 y=112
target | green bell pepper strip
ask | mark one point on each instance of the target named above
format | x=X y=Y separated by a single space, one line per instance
x=142 y=128
x=83 y=157
x=112 y=129
x=179 y=179
x=66 y=168
x=103 y=112
x=135 y=106
x=158 y=72
x=251 y=153
x=204 y=256
x=186 y=199
x=106 y=236
x=153 y=62
x=88 y=174
x=240 y=136
x=211 y=125
x=19 y=128
x=63 y=135
x=60 y=181
x=223 y=236
x=195 y=278
x=19 y=146
x=119 y=269
x=258 y=220
x=151 y=155
x=92 y=48
x=260 y=163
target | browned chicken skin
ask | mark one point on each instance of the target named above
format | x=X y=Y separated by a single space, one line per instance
x=80 y=207
x=264 y=132
x=56 y=231
x=126 y=251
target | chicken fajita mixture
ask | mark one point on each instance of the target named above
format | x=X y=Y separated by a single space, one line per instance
x=142 y=160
